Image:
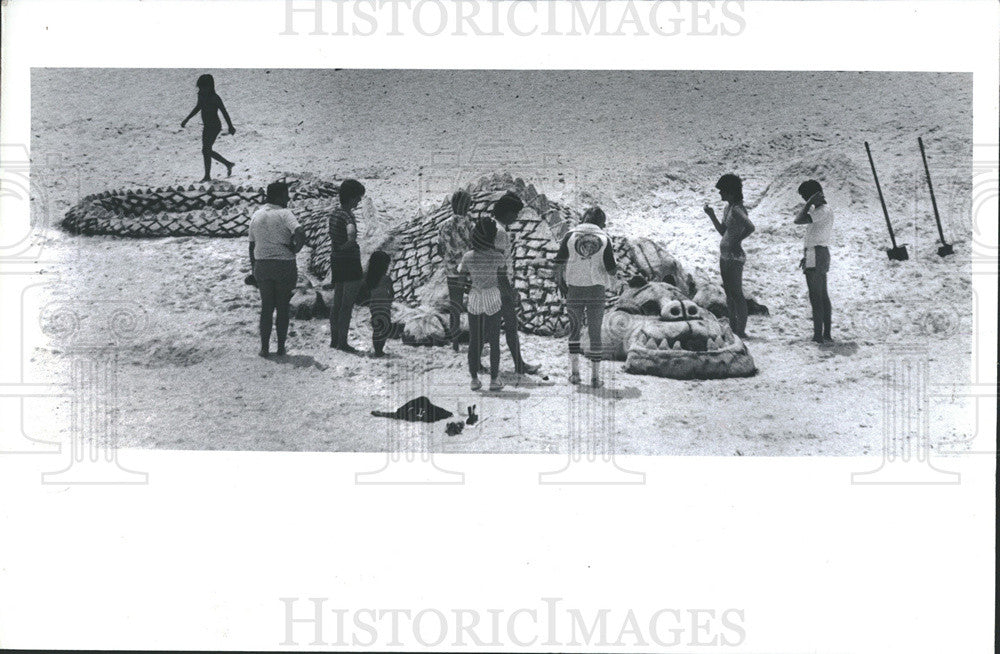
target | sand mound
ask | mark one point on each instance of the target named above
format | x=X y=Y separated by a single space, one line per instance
x=754 y=151
x=841 y=177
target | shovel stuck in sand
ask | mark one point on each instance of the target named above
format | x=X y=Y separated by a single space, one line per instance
x=896 y=252
x=945 y=248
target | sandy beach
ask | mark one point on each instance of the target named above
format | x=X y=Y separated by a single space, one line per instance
x=647 y=146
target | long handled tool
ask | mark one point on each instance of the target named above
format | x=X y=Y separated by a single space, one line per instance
x=896 y=252
x=945 y=248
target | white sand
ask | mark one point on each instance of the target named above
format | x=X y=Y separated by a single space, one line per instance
x=646 y=146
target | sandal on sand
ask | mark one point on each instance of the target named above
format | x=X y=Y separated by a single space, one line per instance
x=496 y=385
x=476 y=384
x=596 y=383
x=574 y=378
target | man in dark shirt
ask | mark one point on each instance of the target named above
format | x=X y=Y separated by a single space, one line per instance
x=345 y=263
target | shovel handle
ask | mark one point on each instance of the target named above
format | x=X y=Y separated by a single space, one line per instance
x=930 y=187
x=892 y=235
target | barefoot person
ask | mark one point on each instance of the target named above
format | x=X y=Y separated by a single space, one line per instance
x=454 y=240
x=735 y=227
x=484 y=306
x=345 y=263
x=210 y=104
x=585 y=265
x=275 y=238
x=505 y=212
x=818 y=217
x=377 y=293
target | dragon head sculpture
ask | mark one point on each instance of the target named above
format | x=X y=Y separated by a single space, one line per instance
x=658 y=331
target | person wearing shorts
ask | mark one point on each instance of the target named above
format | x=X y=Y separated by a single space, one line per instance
x=505 y=212
x=454 y=240
x=585 y=266
x=275 y=238
x=345 y=263
x=818 y=217
x=482 y=264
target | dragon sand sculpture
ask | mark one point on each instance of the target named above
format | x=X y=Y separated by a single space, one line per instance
x=660 y=320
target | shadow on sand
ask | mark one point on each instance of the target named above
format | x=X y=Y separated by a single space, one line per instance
x=610 y=392
x=843 y=348
x=508 y=393
x=527 y=381
x=298 y=361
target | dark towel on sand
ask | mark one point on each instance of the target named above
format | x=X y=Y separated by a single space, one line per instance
x=417 y=410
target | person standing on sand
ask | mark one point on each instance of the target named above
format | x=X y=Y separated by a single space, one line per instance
x=210 y=104
x=481 y=264
x=275 y=238
x=585 y=265
x=345 y=263
x=505 y=211
x=454 y=240
x=735 y=227
x=818 y=217
x=377 y=293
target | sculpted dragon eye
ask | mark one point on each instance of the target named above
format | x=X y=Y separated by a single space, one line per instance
x=650 y=308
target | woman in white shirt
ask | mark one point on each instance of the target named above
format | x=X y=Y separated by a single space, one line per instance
x=585 y=267
x=816 y=260
x=275 y=238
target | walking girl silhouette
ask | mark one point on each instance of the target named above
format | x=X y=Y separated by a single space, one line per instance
x=210 y=104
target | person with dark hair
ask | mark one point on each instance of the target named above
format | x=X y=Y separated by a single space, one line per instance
x=377 y=293
x=210 y=104
x=816 y=260
x=481 y=264
x=735 y=227
x=345 y=263
x=275 y=238
x=505 y=211
x=454 y=240
x=585 y=267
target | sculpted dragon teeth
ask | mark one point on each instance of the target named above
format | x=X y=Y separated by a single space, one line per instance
x=677 y=344
x=666 y=343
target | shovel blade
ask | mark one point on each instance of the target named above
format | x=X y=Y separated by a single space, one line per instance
x=898 y=253
x=945 y=250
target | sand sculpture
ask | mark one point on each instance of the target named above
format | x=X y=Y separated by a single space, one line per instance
x=707 y=347
x=658 y=331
